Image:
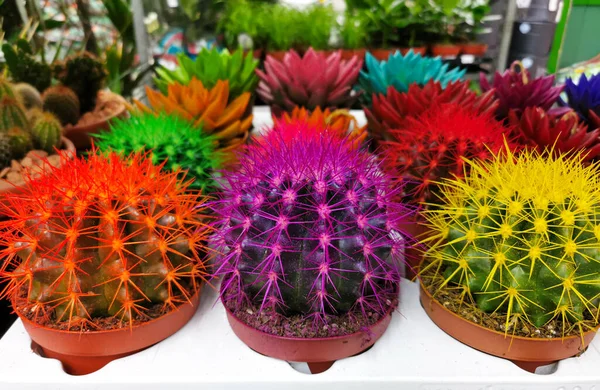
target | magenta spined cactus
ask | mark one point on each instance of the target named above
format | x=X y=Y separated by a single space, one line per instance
x=309 y=227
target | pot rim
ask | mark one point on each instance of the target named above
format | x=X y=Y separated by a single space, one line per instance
x=87 y=126
x=131 y=329
x=495 y=332
x=303 y=339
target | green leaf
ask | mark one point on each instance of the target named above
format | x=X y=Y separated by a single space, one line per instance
x=25 y=46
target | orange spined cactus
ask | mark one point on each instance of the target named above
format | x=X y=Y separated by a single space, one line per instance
x=102 y=243
x=340 y=122
x=207 y=108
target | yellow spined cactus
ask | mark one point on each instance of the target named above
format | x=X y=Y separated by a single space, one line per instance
x=520 y=236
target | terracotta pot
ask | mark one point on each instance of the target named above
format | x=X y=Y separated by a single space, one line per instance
x=319 y=353
x=415 y=227
x=85 y=352
x=417 y=50
x=448 y=50
x=474 y=48
x=347 y=54
x=278 y=55
x=80 y=135
x=382 y=54
x=11 y=188
x=527 y=353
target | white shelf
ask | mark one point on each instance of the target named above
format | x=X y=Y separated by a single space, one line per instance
x=205 y=354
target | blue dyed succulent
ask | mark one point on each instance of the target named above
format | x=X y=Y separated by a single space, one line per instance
x=401 y=71
x=584 y=98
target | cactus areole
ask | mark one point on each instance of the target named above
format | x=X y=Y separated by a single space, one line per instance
x=102 y=244
x=307 y=237
x=515 y=246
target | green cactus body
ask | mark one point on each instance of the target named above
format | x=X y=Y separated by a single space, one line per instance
x=85 y=75
x=12 y=114
x=62 y=102
x=28 y=95
x=5 y=151
x=6 y=88
x=46 y=132
x=520 y=236
x=20 y=142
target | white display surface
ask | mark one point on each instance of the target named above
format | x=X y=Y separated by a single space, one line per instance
x=413 y=354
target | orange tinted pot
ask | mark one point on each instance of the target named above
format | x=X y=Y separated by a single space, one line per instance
x=445 y=50
x=81 y=135
x=417 y=50
x=85 y=352
x=382 y=54
x=474 y=49
x=527 y=353
x=319 y=353
x=278 y=55
x=347 y=54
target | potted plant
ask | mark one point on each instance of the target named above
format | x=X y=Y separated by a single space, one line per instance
x=401 y=71
x=316 y=27
x=584 y=98
x=308 y=250
x=104 y=257
x=516 y=90
x=444 y=20
x=515 y=274
x=293 y=82
x=384 y=20
x=243 y=27
x=172 y=142
x=283 y=30
x=208 y=109
x=354 y=36
x=472 y=27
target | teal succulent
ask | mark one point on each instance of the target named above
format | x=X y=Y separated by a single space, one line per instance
x=170 y=140
x=401 y=71
x=211 y=66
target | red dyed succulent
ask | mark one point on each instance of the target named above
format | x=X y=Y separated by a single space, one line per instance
x=563 y=134
x=390 y=111
x=433 y=147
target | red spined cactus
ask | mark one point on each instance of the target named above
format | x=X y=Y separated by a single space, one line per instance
x=433 y=147
x=563 y=134
x=390 y=111
x=102 y=243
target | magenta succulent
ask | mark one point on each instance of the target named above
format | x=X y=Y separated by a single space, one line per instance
x=314 y=80
x=517 y=91
x=309 y=227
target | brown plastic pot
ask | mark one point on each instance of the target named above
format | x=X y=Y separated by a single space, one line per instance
x=80 y=135
x=85 y=352
x=417 y=50
x=445 y=50
x=278 y=55
x=347 y=54
x=527 y=353
x=382 y=54
x=319 y=353
x=474 y=49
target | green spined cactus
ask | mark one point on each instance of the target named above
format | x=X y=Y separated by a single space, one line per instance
x=20 y=142
x=520 y=236
x=12 y=114
x=62 y=102
x=6 y=88
x=28 y=95
x=5 y=151
x=85 y=75
x=24 y=68
x=170 y=139
x=46 y=132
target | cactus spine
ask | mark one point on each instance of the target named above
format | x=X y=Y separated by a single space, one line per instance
x=62 y=102
x=46 y=132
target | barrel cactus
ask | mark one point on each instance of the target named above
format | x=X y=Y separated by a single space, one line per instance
x=6 y=155
x=46 y=132
x=85 y=75
x=584 y=98
x=171 y=141
x=308 y=227
x=62 y=102
x=400 y=72
x=6 y=88
x=99 y=242
x=28 y=95
x=518 y=237
x=12 y=114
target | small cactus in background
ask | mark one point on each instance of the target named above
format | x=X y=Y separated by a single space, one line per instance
x=434 y=146
x=6 y=88
x=172 y=142
x=211 y=66
x=206 y=109
x=46 y=132
x=308 y=226
x=102 y=237
x=400 y=72
x=62 y=102
x=311 y=81
x=24 y=67
x=12 y=114
x=340 y=122
x=20 y=142
x=584 y=98
x=517 y=91
x=6 y=155
x=85 y=75
x=28 y=95
x=389 y=111
x=518 y=237
x=563 y=135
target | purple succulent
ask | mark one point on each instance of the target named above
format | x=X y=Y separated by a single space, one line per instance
x=584 y=98
x=309 y=227
x=516 y=91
